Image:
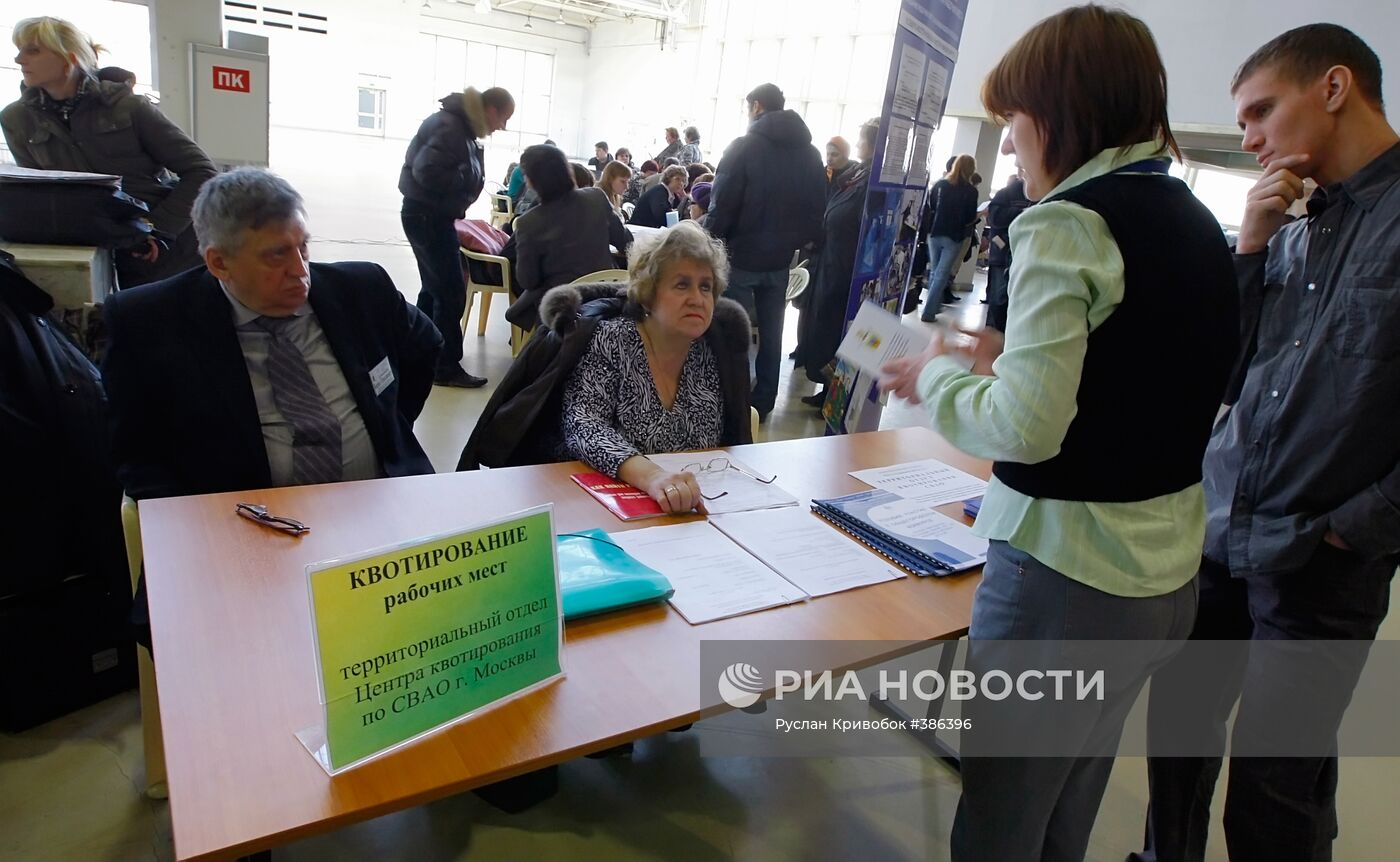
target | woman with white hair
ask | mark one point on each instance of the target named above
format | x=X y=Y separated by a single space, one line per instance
x=67 y=120
x=618 y=372
x=651 y=381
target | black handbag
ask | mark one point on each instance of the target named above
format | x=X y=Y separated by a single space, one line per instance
x=71 y=214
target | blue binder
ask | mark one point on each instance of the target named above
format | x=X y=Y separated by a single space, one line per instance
x=849 y=514
x=595 y=575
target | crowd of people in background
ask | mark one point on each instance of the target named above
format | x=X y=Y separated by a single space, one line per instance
x=669 y=188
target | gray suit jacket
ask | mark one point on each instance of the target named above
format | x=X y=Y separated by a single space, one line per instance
x=558 y=241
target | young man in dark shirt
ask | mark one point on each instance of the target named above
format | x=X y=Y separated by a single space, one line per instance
x=600 y=159
x=1302 y=477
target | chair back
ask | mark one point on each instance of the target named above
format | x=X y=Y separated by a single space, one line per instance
x=152 y=740
x=131 y=532
x=502 y=209
x=602 y=275
x=797 y=283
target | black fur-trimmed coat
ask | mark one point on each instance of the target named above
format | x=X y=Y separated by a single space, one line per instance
x=521 y=423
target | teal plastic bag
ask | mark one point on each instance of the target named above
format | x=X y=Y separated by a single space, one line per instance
x=596 y=575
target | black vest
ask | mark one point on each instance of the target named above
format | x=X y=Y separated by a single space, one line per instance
x=1156 y=369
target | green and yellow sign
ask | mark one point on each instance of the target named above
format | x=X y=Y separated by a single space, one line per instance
x=416 y=636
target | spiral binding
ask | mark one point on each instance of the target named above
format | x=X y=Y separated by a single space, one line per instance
x=913 y=560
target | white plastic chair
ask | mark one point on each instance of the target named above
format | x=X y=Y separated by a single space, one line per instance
x=797 y=283
x=152 y=739
x=502 y=210
x=517 y=339
x=602 y=275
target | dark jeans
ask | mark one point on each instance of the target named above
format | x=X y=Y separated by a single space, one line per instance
x=764 y=296
x=998 y=280
x=1042 y=809
x=1276 y=808
x=444 y=294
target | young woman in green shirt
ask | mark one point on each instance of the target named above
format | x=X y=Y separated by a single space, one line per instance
x=1096 y=413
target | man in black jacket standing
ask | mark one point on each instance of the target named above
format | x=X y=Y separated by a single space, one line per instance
x=442 y=176
x=768 y=199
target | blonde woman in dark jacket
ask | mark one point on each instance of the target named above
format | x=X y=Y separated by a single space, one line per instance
x=67 y=120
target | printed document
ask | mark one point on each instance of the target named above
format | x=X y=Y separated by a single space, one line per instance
x=916 y=523
x=929 y=481
x=806 y=550
x=714 y=578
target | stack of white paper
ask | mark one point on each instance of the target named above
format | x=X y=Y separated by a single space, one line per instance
x=741 y=492
x=713 y=577
x=804 y=549
x=929 y=481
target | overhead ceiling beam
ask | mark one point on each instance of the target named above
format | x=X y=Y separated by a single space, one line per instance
x=620 y=8
x=659 y=10
x=577 y=10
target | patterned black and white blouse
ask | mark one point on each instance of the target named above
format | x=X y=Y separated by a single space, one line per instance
x=612 y=410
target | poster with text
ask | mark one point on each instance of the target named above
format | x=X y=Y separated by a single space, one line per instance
x=921 y=65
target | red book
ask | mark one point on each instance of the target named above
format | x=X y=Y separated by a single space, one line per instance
x=622 y=499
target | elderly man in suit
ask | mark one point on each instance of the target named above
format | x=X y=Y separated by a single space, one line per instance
x=262 y=369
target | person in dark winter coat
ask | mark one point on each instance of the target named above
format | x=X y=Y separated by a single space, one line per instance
x=67 y=120
x=769 y=195
x=65 y=592
x=1005 y=205
x=523 y=421
x=442 y=175
x=833 y=265
x=838 y=162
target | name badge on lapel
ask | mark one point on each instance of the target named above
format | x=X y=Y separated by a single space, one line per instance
x=381 y=375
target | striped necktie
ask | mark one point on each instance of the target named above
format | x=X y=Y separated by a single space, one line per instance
x=315 y=430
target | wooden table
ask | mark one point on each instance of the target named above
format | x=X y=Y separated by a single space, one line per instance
x=234 y=655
